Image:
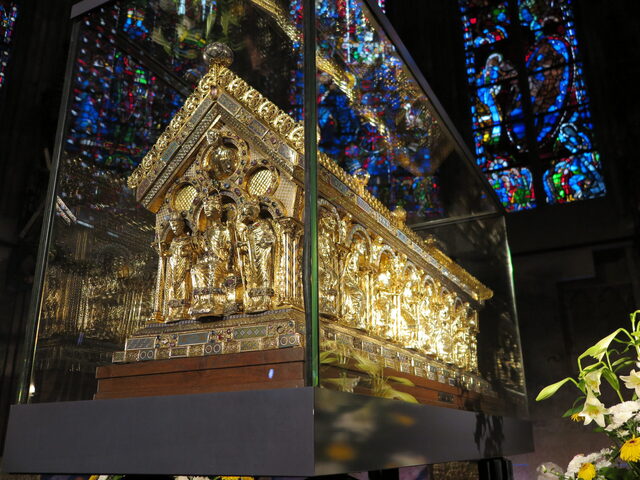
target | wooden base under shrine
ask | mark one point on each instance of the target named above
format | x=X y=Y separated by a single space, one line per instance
x=270 y=369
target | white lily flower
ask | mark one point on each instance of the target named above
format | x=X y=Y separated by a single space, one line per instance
x=592 y=380
x=593 y=410
x=632 y=381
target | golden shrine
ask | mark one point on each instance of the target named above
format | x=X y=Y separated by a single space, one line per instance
x=225 y=182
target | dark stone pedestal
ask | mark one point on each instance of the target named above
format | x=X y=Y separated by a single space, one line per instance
x=281 y=432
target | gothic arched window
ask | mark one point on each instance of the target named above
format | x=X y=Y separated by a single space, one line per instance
x=530 y=111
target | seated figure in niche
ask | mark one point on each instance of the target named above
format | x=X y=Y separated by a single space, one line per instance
x=256 y=243
x=430 y=329
x=446 y=321
x=385 y=321
x=472 y=321
x=353 y=293
x=214 y=259
x=460 y=336
x=410 y=317
x=180 y=260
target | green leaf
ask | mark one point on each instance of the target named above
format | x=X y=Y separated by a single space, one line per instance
x=610 y=377
x=388 y=392
x=616 y=473
x=591 y=368
x=343 y=383
x=623 y=366
x=599 y=349
x=549 y=390
x=571 y=411
x=402 y=381
x=328 y=358
x=622 y=361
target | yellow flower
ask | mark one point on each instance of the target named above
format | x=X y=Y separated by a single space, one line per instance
x=587 y=471
x=630 y=451
x=576 y=417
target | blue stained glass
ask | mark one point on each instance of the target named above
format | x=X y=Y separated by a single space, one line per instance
x=575 y=178
x=562 y=130
x=366 y=121
x=8 y=16
x=551 y=89
x=548 y=52
x=487 y=25
x=134 y=24
x=497 y=163
x=514 y=188
x=339 y=125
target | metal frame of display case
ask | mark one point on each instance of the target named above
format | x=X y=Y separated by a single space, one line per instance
x=271 y=432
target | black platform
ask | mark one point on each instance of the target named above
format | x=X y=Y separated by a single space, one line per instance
x=286 y=432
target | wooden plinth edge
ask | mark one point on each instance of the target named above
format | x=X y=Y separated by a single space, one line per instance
x=267 y=369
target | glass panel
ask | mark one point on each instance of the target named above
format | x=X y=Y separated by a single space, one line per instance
x=399 y=315
x=177 y=225
x=376 y=122
x=480 y=247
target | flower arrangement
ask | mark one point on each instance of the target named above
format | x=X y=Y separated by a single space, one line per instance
x=612 y=356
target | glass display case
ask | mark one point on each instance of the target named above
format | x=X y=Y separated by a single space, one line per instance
x=199 y=225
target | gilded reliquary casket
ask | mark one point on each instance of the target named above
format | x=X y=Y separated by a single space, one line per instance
x=225 y=181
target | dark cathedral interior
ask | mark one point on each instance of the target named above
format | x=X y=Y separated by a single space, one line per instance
x=551 y=126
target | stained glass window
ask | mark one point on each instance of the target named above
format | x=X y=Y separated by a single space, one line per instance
x=8 y=16
x=530 y=109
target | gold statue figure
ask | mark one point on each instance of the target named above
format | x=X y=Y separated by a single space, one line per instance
x=180 y=260
x=385 y=308
x=353 y=285
x=214 y=258
x=410 y=310
x=257 y=245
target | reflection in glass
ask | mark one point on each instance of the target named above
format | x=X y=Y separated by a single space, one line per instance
x=134 y=65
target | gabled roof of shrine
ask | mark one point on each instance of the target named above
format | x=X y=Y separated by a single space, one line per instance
x=283 y=138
